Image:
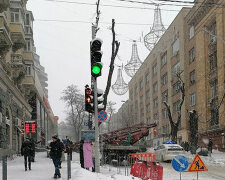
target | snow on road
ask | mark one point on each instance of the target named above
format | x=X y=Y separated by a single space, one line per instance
x=43 y=169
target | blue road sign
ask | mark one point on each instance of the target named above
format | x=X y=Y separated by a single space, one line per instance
x=180 y=163
x=102 y=116
x=85 y=123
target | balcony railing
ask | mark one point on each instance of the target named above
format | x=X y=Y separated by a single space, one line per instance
x=17 y=60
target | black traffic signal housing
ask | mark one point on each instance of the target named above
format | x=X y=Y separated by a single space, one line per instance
x=100 y=99
x=96 y=56
x=89 y=103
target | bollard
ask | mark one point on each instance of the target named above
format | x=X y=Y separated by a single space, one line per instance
x=4 y=167
x=68 y=166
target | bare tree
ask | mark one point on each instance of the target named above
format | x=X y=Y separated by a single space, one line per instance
x=115 y=49
x=76 y=113
x=175 y=124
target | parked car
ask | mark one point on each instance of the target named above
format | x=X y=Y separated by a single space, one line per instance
x=167 y=152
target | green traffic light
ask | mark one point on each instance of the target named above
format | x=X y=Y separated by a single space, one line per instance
x=96 y=69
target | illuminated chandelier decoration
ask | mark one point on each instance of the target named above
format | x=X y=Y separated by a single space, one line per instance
x=120 y=87
x=134 y=64
x=156 y=31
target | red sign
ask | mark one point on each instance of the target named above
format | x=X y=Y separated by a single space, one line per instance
x=33 y=128
x=197 y=165
x=27 y=130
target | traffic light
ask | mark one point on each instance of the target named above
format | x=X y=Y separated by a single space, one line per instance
x=89 y=103
x=27 y=128
x=100 y=99
x=22 y=127
x=96 y=56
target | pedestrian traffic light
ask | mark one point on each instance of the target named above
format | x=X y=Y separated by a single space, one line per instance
x=89 y=106
x=96 y=56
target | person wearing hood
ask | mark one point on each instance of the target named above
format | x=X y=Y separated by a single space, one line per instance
x=56 y=153
x=26 y=151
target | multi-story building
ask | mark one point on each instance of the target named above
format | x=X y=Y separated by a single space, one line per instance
x=205 y=71
x=23 y=96
x=156 y=82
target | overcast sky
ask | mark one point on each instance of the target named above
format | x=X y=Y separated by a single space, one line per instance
x=64 y=46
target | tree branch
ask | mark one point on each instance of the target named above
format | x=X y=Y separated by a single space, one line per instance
x=115 y=49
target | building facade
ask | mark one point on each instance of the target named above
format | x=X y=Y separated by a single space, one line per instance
x=205 y=71
x=156 y=82
x=23 y=97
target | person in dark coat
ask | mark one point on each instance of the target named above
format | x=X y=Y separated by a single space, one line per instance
x=26 y=151
x=81 y=154
x=69 y=148
x=56 y=153
x=210 y=144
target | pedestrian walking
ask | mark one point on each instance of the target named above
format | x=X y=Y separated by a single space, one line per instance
x=81 y=154
x=26 y=151
x=210 y=144
x=87 y=149
x=56 y=153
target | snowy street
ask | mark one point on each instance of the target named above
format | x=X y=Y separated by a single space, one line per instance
x=43 y=169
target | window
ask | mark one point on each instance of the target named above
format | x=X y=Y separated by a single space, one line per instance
x=141 y=84
x=155 y=87
x=164 y=113
x=136 y=90
x=164 y=79
x=148 y=108
x=176 y=69
x=191 y=32
x=155 y=102
x=176 y=106
x=154 y=70
x=214 y=89
x=15 y=15
x=141 y=100
x=163 y=59
x=192 y=99
x=28 y=69
x=192 y=77
x=213 y=61
x=142 y=112
x=176 y=88
x=148 y=94
x=166 y=129
x=147 y=78
x=28 y=46
x=156 y=117
x=165 y=96
x=175 y=47
x=191 y=55
x=27 y=19
x=214 y=118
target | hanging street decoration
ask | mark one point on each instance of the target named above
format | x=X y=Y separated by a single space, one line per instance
x=134 y=64
x=156 y=31
x=120 y=87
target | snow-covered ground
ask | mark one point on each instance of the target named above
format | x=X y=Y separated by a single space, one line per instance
x=43 y=169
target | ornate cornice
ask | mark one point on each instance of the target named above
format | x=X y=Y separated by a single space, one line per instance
x=198 y=12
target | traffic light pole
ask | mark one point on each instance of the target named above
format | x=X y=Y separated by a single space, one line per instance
x=97 y=159
x=94 y=81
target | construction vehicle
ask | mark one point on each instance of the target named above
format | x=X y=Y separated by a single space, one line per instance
x=116 y=145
